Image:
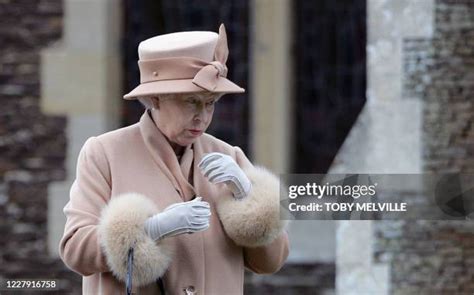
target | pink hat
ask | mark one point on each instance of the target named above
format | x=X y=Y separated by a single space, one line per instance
x=184 y=62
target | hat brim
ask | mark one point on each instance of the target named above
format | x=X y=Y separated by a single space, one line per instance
x=180 y=86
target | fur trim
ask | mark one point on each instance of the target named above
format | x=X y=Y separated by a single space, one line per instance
x=121 y=226
x=255 y=220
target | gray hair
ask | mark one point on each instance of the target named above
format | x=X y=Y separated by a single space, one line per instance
x=147 y=102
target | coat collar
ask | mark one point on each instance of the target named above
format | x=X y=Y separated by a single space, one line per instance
x=164 y=156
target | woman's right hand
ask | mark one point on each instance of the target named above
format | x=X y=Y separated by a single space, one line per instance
x=179 y=218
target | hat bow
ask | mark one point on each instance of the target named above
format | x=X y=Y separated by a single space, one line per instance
x=208 y=76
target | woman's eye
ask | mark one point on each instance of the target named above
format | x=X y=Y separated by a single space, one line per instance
x=190 y=100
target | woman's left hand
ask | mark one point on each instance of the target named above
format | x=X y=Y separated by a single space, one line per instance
x=221 y=168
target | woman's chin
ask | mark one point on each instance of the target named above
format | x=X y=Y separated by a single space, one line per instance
x=187 y=141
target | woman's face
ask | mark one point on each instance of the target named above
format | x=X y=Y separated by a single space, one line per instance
x=184 y=117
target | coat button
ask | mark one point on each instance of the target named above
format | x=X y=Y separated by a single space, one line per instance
x=189 y=290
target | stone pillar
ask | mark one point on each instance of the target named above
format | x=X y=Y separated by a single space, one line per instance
x=271 y=82
x=386 y=137
x=81 y=78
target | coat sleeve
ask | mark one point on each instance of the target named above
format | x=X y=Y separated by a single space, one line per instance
x=79 y=247
x=267 y=259
x=100 y=230
x=254 y=221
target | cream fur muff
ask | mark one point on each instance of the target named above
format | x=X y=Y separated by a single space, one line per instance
x=255 y=220
x=122 y=226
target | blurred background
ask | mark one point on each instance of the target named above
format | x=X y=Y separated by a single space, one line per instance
x=364 y=86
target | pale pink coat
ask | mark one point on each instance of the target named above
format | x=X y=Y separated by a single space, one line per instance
x=129 y=174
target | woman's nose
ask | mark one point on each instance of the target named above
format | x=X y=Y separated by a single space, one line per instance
x=202 y=114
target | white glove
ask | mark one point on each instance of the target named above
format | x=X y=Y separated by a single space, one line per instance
x=179 y=218
x=219 y=168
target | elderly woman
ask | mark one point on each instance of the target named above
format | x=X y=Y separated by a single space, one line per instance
x=161 y=203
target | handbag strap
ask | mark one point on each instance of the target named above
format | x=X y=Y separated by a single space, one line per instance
x=128 y=283
x=161 y=286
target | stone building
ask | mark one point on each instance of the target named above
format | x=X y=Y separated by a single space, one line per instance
x=417 y=119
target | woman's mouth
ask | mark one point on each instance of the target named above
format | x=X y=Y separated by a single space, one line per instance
x=195 y=132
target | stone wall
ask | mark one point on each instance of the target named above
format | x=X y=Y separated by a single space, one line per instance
x=440 y=72
x=427 y=257
x=436 y=257
x=32 y=145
